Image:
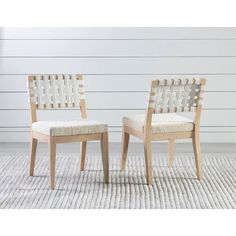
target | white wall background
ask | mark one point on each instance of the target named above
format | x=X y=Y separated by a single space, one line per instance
x=118 y=64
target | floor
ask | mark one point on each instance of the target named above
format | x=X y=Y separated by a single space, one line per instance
x=134 y=148
x=172 y=189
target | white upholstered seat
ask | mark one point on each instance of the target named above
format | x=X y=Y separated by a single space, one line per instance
x=65 y=128
x=161 y=123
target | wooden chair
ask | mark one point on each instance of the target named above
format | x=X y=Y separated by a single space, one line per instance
x=61 y=92
x=166 y=98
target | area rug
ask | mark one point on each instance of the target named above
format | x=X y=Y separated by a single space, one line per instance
x=176 y=188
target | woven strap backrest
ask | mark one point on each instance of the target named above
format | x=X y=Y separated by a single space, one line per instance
x=56 y=91
x=182 y=95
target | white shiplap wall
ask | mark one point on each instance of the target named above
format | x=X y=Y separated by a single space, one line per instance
x=118 y=64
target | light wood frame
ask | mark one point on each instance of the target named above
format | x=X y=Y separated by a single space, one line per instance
x=54 y=140
x=147 y=136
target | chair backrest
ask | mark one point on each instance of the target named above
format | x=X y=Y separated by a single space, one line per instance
x=182 y=95
x=56 y=92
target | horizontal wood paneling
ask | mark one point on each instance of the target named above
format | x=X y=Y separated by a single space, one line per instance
x=118 y=64
x=138 y=33
x=118 y=48
x=125 y=82
x=121 y=100
x=12 y=118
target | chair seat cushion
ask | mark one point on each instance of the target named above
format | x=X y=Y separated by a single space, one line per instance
x=66 y=128
x=161 y=123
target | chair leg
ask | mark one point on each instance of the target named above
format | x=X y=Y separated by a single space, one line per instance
x=105 y=156
x=52 y=161
x=33 y=148
x=83 y=147
x=125 y=145
x=148 y=161
x=197 y=154
x=171 y=145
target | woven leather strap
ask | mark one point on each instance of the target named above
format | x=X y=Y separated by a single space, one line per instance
x=56 y=91
x=182 y=95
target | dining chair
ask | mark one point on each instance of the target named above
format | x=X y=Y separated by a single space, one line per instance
x=63 y=92
x=161 y=121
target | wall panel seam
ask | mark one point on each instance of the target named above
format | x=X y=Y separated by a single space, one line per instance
x=133 y=74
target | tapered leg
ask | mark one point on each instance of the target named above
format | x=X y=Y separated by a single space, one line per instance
x=148 y=161
x=125 y=145
x=52 y=161
x=171 y=146
x=83 y=147
x=197 y=154
x=105 y=156
x=33 y=147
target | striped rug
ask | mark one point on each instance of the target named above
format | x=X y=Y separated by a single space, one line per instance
x=172 y=188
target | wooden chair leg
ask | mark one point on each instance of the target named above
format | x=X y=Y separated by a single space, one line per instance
x=197 y=154
x=124 y=152
x=52 y=161
x=33 y=148
x=105 y=156
x=148 y=161
x=171 y=145
x=83 y=147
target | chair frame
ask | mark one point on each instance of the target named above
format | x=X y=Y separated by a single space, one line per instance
x=53 y=140
x=147 y=136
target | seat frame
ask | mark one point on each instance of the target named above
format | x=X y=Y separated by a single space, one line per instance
x=52 y=141
x=147 y=136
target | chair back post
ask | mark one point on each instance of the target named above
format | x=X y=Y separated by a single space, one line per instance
x=33 y=108
x=151 y=107
x=83 y=111
x=198 y=110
